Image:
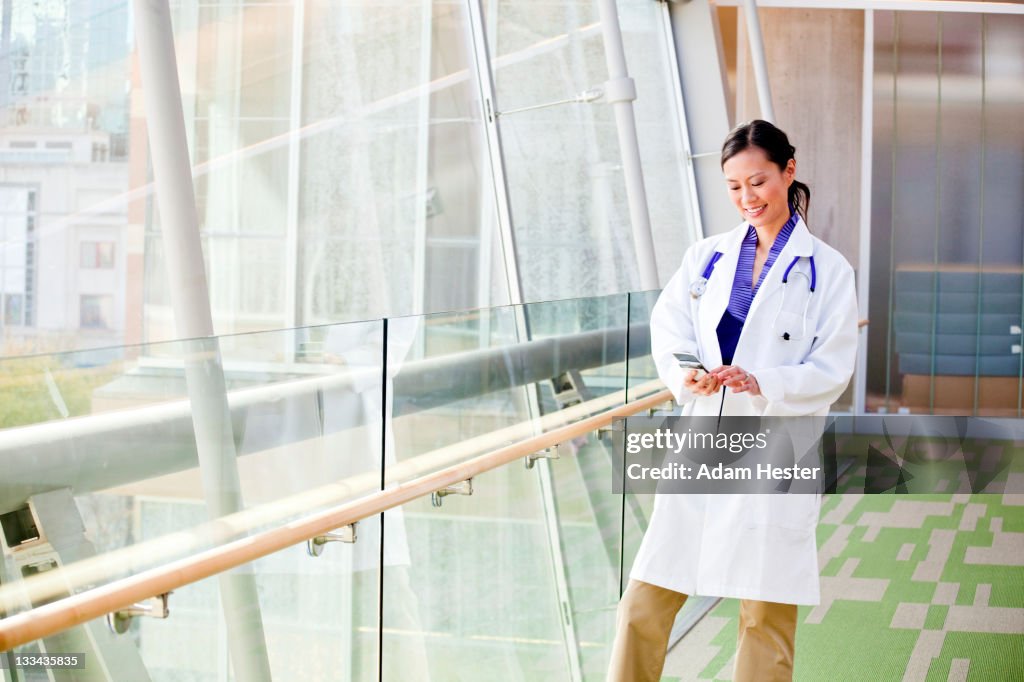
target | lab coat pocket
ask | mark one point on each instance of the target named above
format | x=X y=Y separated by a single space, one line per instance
x=794 y=512
x=793 y=336
x=790 y=326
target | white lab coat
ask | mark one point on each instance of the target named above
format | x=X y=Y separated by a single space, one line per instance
x=750 y=546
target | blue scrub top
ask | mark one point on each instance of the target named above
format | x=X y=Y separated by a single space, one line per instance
x=743 y=289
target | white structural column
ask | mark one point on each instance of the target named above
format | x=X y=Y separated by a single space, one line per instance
x=705 y=89
x=291 y=234
x=675 y=85
x=190 y=301
x=864 y=259
x=422 y=167
x=764 y=93
x=620 y=91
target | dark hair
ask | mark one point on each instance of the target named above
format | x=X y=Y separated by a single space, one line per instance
x=776 y=146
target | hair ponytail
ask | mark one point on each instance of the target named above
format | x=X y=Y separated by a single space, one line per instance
x=776 y=146
x=800 y=198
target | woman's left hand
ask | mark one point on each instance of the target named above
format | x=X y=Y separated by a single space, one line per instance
x=738 y=379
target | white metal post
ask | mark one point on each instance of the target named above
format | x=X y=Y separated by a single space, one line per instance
x=698 y=58
x=422 y=167
x=864 y=257
x=683 y=129
x=764 y=93
x=190 y=301
x=492 y=137
x=291 y=234
x=620 y=91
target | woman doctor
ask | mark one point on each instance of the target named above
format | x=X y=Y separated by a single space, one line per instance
x=770 y=309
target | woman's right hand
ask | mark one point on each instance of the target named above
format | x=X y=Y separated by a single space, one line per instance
x=707 y=384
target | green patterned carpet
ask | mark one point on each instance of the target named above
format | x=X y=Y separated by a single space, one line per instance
x=914 y=587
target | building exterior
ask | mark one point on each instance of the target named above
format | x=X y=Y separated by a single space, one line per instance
x=64 y=276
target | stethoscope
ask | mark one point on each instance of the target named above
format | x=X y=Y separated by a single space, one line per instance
x=700 y=285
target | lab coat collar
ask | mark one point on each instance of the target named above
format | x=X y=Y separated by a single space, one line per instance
x=800 y=242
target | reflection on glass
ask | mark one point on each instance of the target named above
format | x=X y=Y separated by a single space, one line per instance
x=470 y=581
x=478 y=589
x=338 y=164
x=64 y=144
x=393 y=205
x=948 y=255
x=115 y=427
x=328 y=185
x=589 y=515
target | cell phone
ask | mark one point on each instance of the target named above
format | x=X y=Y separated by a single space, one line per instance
x=689 y=361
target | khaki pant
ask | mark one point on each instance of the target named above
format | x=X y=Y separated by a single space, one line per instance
x=764 y=650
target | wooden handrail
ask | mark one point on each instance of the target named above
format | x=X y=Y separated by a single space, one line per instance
x=76 y=609
x=52 y=585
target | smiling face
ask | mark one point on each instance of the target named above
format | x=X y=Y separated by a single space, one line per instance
x=759 y=189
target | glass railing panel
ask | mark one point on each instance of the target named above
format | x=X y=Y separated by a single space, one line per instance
x=640 y=373
x=468 y=587
x=459 y=378
x=588 y=513
x=452 y=377
x=289 y=420
x=304 y=427
x=641 y=370
x=481 y=581
x=301 y=405
x=590 y=338
x=317 y=619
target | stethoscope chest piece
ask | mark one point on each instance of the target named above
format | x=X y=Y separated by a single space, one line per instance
x=700 y=285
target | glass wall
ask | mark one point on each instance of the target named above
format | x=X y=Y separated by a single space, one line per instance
x=338 y=162
x=564 y=169
x=947 y=250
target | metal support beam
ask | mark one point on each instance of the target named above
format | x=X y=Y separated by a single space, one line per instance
x=190 y=301
x=757 y=59
x=485 y=81
x=864 y=256
x=675 y=85
x=422 y=166
x=704 y=91
x=620 y=92
x=56 y=537
x=292 y=291
x=492 y=135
